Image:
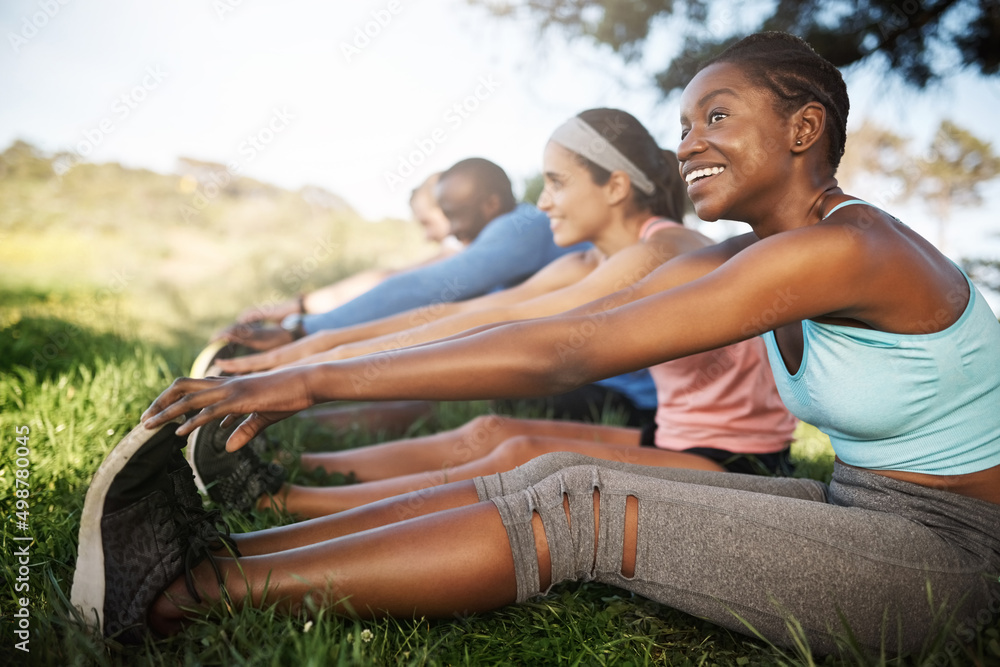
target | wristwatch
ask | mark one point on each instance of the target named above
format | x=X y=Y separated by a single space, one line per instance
x=293 y=325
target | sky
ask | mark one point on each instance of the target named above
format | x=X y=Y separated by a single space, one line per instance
x=365 y=98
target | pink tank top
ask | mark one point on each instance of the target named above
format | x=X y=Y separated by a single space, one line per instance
x=724 y=398
x=654 y=225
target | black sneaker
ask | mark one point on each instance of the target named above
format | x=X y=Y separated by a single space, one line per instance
x=234 y=480
x=142 y=527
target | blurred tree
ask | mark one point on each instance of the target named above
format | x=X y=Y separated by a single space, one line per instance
x=949 y=173
x=872 y=150
x=983 y=272
x=21 y=159
x=533 y=187
x=919 y=40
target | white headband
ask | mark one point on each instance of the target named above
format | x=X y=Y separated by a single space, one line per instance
x=579 y=137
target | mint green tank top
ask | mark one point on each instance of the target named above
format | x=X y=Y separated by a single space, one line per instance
x=926 y=403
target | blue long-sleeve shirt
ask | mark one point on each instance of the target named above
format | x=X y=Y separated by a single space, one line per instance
x=509 y=249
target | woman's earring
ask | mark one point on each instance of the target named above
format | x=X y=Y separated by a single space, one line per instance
x=798 y=143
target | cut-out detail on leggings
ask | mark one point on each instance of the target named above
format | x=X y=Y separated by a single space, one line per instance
x=541 y=551
x=569 y=519
x=630 y=540
x=597 y=525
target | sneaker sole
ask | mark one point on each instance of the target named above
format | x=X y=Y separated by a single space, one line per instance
x=192 y=445
x=206 y=358
x=88 y=591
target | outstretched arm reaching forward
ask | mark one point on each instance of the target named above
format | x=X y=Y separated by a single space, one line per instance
x=811 y=272
x=556 y=275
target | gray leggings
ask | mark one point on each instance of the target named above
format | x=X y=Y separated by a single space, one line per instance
x=718 y=545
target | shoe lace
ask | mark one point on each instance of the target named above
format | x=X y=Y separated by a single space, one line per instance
x=204 y=531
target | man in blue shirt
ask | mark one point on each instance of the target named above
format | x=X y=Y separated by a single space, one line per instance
x=507 y=243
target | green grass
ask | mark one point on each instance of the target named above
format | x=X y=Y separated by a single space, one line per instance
x=89 y=392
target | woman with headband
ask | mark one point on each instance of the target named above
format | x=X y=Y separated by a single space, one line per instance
x=718 y=410
x=872 y=334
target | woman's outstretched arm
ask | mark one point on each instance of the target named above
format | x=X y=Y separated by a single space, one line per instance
x=633 y=275
x=559 y=273
x=618 y=272
x=800 y=274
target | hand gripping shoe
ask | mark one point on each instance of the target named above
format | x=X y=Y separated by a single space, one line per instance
x=142 y=526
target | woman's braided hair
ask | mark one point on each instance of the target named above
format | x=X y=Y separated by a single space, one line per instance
x=796 y=75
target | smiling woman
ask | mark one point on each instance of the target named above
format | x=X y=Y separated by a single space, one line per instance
x=888 y=551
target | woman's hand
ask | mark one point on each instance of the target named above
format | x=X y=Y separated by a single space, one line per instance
x=285 y=355
x=269 y=312
x=267 y=399
x=255 y=336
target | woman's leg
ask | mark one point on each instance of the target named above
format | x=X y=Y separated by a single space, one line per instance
x=373 y=515
x=709 y=543
x=461 y=493
x=391 y=419
x=453 y=561
x=310 y=501
x=443 y=450
x=892 y=561
x=437 y=563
